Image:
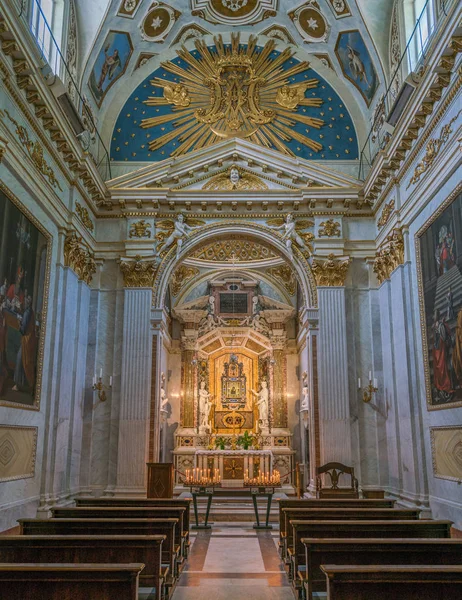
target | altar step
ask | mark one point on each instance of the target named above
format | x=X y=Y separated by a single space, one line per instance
x=235 y=509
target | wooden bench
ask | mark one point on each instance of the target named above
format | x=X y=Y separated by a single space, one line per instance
x=127 y=512
x=62 y=581
x=131 y=527
x=356 y=529
x=89 y=549
x=329 y=503
x=134 y=502
x=382 y=582
x=333 y=514
x=373 y=551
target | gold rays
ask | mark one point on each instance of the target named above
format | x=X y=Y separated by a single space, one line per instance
x=233 y=91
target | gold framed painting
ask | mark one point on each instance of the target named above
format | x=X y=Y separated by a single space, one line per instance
x=446 y=444
x=438 y=245
x=25 y=262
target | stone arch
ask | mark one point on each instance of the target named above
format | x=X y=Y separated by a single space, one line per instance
x=225 y=228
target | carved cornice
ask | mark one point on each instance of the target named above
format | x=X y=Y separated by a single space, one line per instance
x=79 y=258
x=138 y=273
x=389 y=256
x=330 y=272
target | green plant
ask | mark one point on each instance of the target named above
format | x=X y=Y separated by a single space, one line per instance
x=245 y=440
x=220 y=442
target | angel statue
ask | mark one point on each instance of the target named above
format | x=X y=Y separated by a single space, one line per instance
x=263 y=404
x=175 y=231
x=292 y=233
x=304 y=405
x=163 y=394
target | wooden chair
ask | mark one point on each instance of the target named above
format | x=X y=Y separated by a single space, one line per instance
x=334 y=470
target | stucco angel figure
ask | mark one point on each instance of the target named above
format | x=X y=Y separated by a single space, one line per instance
x=304 y=405
x=263 y=403
x=163 y=394
x=205 y=404
x=293 y=232
x=174 y=232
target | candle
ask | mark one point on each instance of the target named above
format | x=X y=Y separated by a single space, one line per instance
x=110 y=381
x=370 y=375
x=359 y=383
x=101 y=373
x=375 y=382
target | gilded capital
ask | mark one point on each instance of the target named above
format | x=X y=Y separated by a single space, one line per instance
x=3 y=145
x=138 y=273
x=330 y=272
x=79 y=258
x=389 y=256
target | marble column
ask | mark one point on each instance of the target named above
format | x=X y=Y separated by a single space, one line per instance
x=334 y=402
x=135 y=392
x=313 y=433
x=189 y=383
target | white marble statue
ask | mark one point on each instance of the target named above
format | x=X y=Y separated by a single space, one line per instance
x=178 y=234
x=205 y=404
x=163 y=394
x=234 y=176
x=263 y=404
x=207 y=324
x=254 y=304
x=305 y=393
x=260 y=325
x=212 y=304
x=290 y=234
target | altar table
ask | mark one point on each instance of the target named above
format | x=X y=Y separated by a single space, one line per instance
x=232 y=464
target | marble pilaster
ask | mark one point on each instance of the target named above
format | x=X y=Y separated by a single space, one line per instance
x=135 y=392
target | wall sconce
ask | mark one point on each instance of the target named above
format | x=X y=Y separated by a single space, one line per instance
x=99 y=387
x=370 y=389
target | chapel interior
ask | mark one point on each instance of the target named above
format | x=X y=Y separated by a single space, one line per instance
x=230 y=299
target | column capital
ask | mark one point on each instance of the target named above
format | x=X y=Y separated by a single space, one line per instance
x=137 y=272
x=78 y=257
x=330 y=271
x=390 y=255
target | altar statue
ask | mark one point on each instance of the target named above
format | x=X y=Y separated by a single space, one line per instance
x=205 y=405
x=263 y=404
x=304 y=405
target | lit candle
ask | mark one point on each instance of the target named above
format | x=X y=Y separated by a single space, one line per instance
x=101 y=373
x=370 y=376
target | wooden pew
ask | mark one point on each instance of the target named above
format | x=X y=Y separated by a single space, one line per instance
x=61 y=581
x=134 y=502
x=128 y=512
x=373 y=551
x=166 y=527
x=357 y=529
x=330 y=503
x=333 y=514
x=89 y=549
x=382 y=582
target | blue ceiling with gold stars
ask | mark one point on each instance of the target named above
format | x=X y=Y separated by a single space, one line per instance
x=318 y=127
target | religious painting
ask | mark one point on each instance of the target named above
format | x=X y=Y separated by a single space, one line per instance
x=356 y=63
x=110 y=64
x=24 y=273
x=439 y=262
x=446 y=445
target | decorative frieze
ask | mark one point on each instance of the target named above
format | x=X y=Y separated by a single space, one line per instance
x=79 y=258
x=138 y=273
x=389 y=256
x=386 y=214
x=330 y=272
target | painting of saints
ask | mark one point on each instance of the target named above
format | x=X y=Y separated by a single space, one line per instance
x=110 y=64
x=23 y=266
x=440 y=354
x=356 y=63
x=444 y=255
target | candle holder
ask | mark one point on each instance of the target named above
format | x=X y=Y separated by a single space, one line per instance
x=370 y=389
x=263 y=479
x=263 y=485
x=99 y=387
x=202 y=478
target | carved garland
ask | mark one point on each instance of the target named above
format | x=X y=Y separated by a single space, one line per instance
x=84 y=216
x=79 y=258
x=389 y=256
x=386 y=214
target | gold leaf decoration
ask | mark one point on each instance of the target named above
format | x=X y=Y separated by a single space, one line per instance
x=242 y=251
x=35 y=151
x=329 y=228
x=389 y=256
x=181 y=277
x=386 y=214
x=235 y=178
x=84 y=216
x=138 y=273
x=140 y=229
x=287 y=277
x=256 y=103
x=79 y=258
x=330 y=271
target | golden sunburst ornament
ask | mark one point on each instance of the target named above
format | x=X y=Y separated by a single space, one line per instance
x=233 y=91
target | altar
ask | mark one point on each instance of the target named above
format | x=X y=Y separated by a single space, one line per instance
x=232 y=464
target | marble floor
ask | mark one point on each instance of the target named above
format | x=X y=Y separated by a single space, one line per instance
x=231 y=562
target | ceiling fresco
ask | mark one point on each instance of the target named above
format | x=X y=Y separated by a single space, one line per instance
x=234 y=90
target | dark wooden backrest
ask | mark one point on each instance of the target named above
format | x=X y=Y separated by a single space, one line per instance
x=334 y=470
